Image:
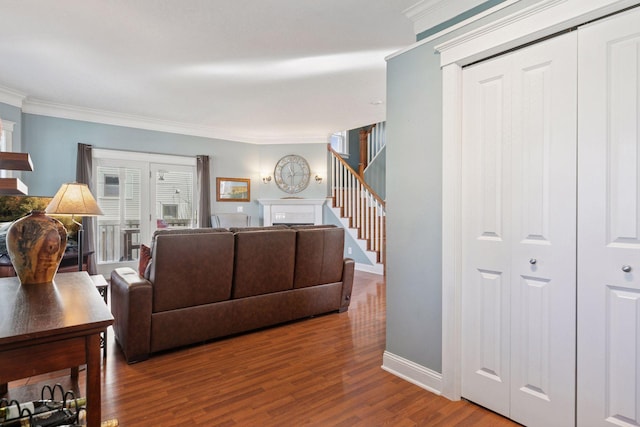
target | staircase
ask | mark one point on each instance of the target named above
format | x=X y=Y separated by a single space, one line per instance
x=361 y=210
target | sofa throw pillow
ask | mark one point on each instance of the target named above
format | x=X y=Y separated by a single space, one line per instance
x=145 y=257
x=147 y=272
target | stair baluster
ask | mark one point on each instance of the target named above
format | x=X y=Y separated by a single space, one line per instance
x=358 y=203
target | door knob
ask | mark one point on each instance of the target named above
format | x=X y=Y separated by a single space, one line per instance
x=532 y=261
x=626 y=268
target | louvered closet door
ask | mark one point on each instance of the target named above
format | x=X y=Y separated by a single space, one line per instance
x=519 y=221
x=609 y=222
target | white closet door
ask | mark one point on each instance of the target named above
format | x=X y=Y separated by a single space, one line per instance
x=519 y=207
x=543 y=290
x=609 y=222
x=486 y=205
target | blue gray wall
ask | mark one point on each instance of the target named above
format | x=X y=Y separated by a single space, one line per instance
x=52 y=144
x=414 y=200
x=354 y=149
x=414 y=194
x=456 y=19
x=349 y=242
x=376 y=174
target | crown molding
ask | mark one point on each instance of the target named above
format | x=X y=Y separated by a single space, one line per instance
x=12 y=97
x=452 y=28
x=539 y=20
x=45 y=108
x=428 y=13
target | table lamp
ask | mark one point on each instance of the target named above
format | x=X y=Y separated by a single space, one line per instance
x=74 y=199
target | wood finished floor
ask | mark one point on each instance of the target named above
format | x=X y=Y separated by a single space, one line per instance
x=323 y=371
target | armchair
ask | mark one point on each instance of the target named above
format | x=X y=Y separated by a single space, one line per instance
x=227 y=220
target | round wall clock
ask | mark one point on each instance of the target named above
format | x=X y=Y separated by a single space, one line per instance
x=292 y=174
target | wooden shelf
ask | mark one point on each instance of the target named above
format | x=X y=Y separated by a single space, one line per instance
x=15 y=161
x=13 y=186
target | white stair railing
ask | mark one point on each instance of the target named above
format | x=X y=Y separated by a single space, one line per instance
x=359 y=204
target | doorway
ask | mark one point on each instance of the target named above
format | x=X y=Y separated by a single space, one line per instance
x=138 y=194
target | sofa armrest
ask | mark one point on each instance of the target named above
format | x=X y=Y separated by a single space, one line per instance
x=347 y=283
x=131 y=302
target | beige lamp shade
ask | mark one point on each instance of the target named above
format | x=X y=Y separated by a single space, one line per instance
x=74 y=199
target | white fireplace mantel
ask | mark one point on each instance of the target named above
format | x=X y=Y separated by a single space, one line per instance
x=292 y=211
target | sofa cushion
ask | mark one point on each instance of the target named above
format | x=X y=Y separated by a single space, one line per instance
x=267 y=228
x=312 y=226
x=319 y=255
x=264 y=261
x=191 y=269
x=169 y=231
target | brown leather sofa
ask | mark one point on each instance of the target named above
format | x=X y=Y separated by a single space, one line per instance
x=208 y=283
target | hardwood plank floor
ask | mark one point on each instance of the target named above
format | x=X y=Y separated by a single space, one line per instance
x=323 y=371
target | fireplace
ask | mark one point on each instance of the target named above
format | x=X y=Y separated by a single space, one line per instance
x=292 y=211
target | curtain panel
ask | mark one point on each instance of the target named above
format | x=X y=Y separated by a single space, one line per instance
x=204 y=191
x=84 y=165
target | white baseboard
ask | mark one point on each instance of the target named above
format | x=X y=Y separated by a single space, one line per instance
x=375 y=269
x=412 y=372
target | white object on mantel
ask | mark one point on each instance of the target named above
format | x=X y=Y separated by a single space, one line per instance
x=291 y=211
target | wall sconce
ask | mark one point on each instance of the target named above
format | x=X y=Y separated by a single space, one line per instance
x=318 y=179
x=266 y=179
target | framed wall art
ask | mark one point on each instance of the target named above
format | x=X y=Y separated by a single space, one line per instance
x=233 y=189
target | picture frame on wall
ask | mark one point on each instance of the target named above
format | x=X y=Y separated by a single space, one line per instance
x=233 y=189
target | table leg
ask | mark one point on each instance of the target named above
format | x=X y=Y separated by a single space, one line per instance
x=94 y=414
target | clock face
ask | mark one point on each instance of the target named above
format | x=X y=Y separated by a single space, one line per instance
x=292 y=174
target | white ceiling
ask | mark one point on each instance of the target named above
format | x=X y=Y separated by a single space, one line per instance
x=261 y=71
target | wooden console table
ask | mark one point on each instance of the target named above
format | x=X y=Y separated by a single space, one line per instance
x=45 y=328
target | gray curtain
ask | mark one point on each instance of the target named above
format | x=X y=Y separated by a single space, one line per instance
x=204 y=191
x=84 y=164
